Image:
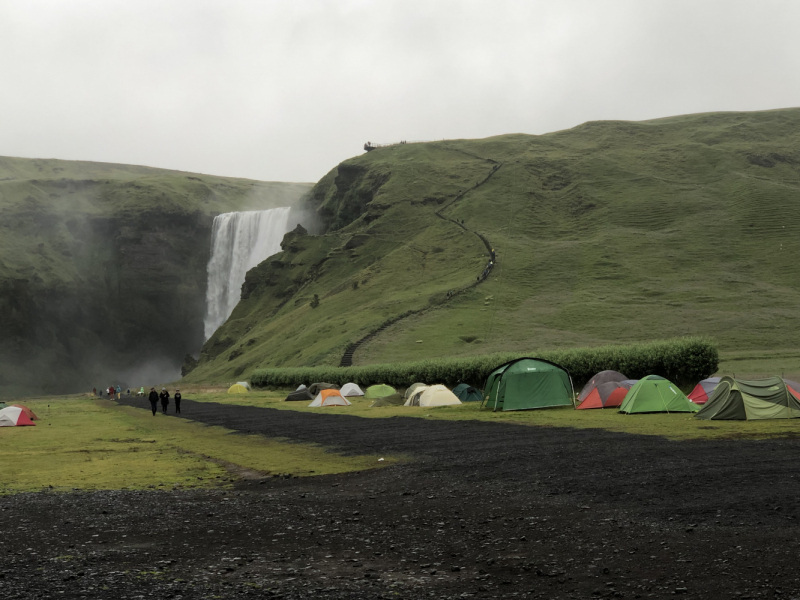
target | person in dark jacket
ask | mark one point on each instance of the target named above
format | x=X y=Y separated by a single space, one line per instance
x=164 y=395
x=153 y=400
x=177 y=398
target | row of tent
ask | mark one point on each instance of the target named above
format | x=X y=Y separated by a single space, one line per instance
x=418 y=394
x=17 y=415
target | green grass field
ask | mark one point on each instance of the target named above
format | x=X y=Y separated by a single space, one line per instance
x=677 y=426
x=610 y=232
x=84 y=443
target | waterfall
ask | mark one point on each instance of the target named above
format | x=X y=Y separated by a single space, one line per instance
x=239 y=241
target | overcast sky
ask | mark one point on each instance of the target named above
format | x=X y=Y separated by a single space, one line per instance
x=284 y=90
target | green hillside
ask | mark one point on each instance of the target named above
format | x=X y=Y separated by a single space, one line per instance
x=608 y=232
x=103 y=268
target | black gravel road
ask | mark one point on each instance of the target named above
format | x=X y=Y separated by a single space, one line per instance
x=482 y=510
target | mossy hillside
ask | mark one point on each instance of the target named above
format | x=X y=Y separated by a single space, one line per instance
x=611 y=232
x=103 y=267
x=96 y=444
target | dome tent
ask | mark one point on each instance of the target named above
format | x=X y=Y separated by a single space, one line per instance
x=527 y=383
x=740 y=399
x=14 y=416
x=380 y=390
x=411 y=389
x=654 y=394
x=393 y=400
x=703 y=390
x=467 y=393
x=432 y=395
x=329 y=398
x=598 y=379
x=351 y=389
x=610 y=394
x=299 y=396
x=240 y=387
x=316 y=388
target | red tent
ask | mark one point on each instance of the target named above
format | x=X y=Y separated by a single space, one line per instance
x=14 y=416
x=600 y=378
x=27 y=411
x=607 y=395
x=703 y=390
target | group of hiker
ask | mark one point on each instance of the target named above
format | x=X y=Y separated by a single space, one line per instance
x=113 y=392
x=164 y=397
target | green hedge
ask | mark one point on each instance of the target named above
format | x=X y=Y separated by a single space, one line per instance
x=683 y=361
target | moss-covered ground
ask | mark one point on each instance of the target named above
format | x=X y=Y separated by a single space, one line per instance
x=678 y=426
x=85 y=443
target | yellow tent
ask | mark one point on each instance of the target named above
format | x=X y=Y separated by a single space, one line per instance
x=239 y=388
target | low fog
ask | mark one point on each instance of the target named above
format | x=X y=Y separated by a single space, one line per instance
x=285 y=90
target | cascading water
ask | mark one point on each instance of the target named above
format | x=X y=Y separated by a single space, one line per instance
x=239 y=241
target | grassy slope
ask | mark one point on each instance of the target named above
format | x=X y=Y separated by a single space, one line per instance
x=608 y=232
x=97 y=444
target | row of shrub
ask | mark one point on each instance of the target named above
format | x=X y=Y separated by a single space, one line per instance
x=683 y=361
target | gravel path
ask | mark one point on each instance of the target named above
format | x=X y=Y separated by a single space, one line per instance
x=482 y=510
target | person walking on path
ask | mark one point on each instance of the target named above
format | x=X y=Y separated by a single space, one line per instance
x=153 y=400
x=119 y=392
x=141 y=391
x=177 y=398
x=164 y=395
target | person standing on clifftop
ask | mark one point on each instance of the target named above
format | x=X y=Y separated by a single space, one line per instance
x=177 y=398
x=153 y=397
x=164 y=395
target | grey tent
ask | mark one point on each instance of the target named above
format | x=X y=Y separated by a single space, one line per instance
x=299 y=395
x=316 y=388
x=467 y=393
x=740 y=399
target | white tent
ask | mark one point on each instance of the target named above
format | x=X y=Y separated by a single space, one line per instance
x=243 y=384
x=302 y=386
x=329 y=398
x=351 y=389
x=432 y=395
x=14 y=416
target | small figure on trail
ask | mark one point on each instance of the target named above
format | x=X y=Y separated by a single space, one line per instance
x=94 y=391
x=164 y=395
x=153 y=397
x=119 y=392
x=141 y=391
x=110 y=391
x=128 y=393
x=177 y=397
x=492 y=253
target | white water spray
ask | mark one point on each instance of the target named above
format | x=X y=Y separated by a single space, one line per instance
x=239 y=241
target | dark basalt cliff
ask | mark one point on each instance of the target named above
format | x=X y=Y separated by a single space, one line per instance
x=103 y=270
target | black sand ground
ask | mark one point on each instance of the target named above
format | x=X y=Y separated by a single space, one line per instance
x=483 y=510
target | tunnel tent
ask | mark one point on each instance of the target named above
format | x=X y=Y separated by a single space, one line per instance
x=238 y=388
x=14 y=416
x=299 y=396
x=741 y=399
x=316 y=388
x=610 y=394
x=528 y=383
x=380 y=390
x=329 y=398
x=467 y=393
x=412 y=388
x=703 y=390
x=654 y=394
x=597 y=379
x=432 y=395
x=351 y=389
x=393 y=400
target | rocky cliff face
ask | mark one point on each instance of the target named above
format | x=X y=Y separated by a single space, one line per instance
x=103 y=270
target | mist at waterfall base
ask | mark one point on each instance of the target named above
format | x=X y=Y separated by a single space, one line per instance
x=239 y=242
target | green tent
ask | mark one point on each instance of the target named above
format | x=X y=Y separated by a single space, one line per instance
x=467 y=393
x=654 y=394
x=379 y=391
x=393 y=400
x=739 y=399
x=528 y=383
